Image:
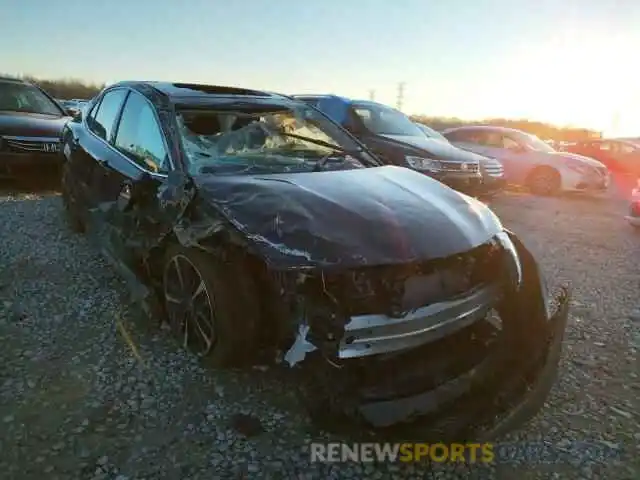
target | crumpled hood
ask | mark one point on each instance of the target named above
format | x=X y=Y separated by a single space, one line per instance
x=437 y=148
x=371 y=216
x=21 y=124
x=581 y=158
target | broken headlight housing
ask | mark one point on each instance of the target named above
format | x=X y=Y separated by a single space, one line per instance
x=514 y=266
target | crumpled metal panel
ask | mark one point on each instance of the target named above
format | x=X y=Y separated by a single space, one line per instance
x=346 y=219
x=126 y=233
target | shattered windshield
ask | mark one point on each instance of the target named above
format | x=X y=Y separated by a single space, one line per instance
x=20 y=97
x=265 y=140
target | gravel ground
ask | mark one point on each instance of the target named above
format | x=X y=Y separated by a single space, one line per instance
x=88 y=389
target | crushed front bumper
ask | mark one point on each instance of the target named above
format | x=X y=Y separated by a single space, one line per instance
x=476 y=382
x=526 y=387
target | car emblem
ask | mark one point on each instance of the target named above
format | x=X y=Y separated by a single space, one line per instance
x=464 y=166
x=50 y=147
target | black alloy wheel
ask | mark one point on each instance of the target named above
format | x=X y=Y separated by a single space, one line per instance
x=189 y=305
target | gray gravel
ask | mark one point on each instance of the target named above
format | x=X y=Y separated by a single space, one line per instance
x=76 y=401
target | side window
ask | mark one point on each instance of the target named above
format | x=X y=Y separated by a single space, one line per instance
x=139 y=136
x=365 y=116
x=105 y=118
x=92 y=113
x=492 y=139
x=458 y=136
x=509 y=143
x=479 y=138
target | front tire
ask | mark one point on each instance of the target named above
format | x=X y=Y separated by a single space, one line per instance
x=544 y=181
x=211 y=305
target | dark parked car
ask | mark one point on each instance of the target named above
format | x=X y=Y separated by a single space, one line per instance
x=253 y=223
x=621 y=156
x=30 y=126
x=395 y=139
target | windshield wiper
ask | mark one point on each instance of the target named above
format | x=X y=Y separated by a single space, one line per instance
x=322 y=143
x=336 y=148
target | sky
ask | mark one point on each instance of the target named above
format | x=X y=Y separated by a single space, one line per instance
x=569 y=62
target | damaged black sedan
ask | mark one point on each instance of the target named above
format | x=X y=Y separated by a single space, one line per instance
x=253 y=223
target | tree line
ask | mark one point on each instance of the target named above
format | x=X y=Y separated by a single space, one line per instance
x=63 y=89
x=545 y=131
x=74 y=88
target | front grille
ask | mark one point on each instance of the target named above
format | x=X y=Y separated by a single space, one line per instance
x=372 y=334
x=394 y=289
x=458 y=167
x=493 y=169
x=392 y=308
x=31 y=144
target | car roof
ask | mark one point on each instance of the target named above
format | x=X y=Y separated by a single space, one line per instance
x=344 y=99
x=193 y=94
x=322 y=95
x=486 y=128
x=14 y=80
x=602 y=140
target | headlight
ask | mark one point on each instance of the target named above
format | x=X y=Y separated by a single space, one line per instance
x=578 y=167
x=515 y=267
x=424 y=164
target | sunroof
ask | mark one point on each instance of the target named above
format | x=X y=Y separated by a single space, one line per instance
x=214 y=89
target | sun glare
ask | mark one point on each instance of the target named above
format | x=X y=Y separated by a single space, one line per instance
x=579 y=79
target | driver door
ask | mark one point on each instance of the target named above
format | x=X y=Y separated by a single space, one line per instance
x=141 y=194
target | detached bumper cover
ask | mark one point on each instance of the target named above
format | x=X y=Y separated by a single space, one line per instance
x=541 y=370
